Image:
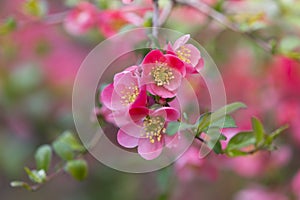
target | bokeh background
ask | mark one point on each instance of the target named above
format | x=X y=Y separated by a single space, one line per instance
x=43 y=43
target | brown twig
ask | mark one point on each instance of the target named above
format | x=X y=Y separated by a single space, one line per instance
x=222 y=19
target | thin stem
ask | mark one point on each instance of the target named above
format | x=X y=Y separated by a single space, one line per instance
x=155 y=19
x=55 y=18
x=217 y=16
x=49 y=178
x=166 y=13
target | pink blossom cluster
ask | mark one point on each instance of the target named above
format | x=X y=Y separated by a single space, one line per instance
x=138 y=99
x=86 y=16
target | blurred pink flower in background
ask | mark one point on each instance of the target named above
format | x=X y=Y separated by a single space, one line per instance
x=189 y=166
x=260 y=162
x=259 y=193
x=81 y=19
x=110 y=22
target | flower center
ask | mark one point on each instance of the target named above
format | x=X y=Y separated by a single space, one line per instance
x=153 y=127
x=129 y=94
x=162 y=74
x=184 y=54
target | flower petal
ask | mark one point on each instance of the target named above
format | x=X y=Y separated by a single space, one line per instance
x=195 y=54
x=106 y=95
x=153 y=56
x=175 y=63
x=174 y=83
x=160 y=91
x=169 y=113
x=139 y=112
x=148 y=150
x=181 y=41
x=126 y=140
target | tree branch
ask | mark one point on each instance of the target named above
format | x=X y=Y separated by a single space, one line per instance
x=166 y=12
x=155 y=18
x=222 y=19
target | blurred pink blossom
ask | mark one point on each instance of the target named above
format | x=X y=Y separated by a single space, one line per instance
x=259 y=193
x=81 y=19
x=189 y=166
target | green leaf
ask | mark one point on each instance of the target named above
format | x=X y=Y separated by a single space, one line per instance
x=63 y=150
x=258 y=130
x=172 y=128
x=270 y=138
x=235 y=153
x=220 y=118
x=36 y=176
x=218 y=148
x=43 y=157
x=78 y=169
x=223 y=137
x=226 y=110
x=203 y=122
x=8 y=26
x=214 y=140
x=20 y=184
x=69 y=139
x=240 y=140
x=227 y=122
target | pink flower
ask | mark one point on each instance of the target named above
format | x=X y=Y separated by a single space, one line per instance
x=188 y=53
x=162 y=74
x=125 y=92
x=148 y=131
x=82 y=18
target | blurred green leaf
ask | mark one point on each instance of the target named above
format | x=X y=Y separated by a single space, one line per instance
x=8 y=26
x=220 y=118
x=236 y=152
x=227 y=122
x=25 y=78
x=258 y=130
x=36 y=176
x=63 y=150
x=241 y=140
x=36 y=8
x=78 y=169
x=43 y=157
x=226 y=110
x=218 y=148
x=270 y=138
x=289 y=43
x=172 y=128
